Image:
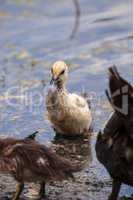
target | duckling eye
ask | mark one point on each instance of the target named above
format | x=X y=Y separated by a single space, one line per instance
x=62 y=72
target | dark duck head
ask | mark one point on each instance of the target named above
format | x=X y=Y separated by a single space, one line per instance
x=121 y=99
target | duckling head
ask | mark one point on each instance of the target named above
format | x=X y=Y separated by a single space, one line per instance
x=59 y=72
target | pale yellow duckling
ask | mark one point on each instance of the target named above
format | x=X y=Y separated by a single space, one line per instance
x=69 y=113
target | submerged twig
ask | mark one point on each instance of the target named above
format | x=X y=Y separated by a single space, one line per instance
x=77 y=18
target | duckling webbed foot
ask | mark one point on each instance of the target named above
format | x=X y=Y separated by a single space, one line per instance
x=42 y=193
x=115 y=190
x=19 y=189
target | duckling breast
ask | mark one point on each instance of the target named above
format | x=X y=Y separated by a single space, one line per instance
x=69 y=113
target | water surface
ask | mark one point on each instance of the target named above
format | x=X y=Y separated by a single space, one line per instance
x=33 y=35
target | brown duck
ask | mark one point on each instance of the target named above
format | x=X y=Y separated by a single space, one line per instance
x=28 y=161
x=114 y=147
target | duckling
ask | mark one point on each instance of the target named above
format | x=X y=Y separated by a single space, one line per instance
x=114 y=148
x=68 y=113
x=28 y=161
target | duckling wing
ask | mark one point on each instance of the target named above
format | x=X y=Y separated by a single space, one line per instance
x=78 y=101
x=40 y=161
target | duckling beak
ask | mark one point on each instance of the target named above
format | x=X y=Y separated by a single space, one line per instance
x=54 y=80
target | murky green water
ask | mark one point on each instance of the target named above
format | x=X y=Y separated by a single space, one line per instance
x=34 y=34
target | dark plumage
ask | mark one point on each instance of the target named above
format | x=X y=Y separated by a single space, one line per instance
x=114 y=147
x=28 y=161
x=121 y=99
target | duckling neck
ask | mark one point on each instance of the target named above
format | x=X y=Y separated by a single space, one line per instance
x=61 y=86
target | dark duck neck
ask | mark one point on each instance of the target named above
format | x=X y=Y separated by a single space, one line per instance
x=114 y=148
x=121 y=99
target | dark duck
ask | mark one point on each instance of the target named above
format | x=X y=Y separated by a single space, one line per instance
x=114 y=147
x=28 y=161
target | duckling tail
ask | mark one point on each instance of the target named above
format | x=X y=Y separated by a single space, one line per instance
x=32 y=136
x=60 y=166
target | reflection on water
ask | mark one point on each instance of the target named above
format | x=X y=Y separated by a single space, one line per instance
x=76 y=150
x=34 y=34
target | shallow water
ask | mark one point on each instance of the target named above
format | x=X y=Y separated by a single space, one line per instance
x=33 y=35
